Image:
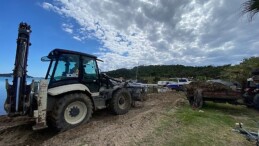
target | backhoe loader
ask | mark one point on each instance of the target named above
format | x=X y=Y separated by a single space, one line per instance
x=71 y=91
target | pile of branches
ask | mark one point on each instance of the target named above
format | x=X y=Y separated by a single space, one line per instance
x=205 y=86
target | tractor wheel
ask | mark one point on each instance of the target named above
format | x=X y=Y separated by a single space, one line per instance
x=191 y=99
x=71 y=110
x=120 y=102
x=144 y=96
x=197 y=100
x=256 y=101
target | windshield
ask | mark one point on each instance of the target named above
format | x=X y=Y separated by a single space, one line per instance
x=65 y=66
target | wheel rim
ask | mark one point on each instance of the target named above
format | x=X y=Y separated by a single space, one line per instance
x=122 y=102
x=75 y=112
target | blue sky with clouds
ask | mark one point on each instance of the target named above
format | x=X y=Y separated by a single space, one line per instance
x=125 y=33
x=47 y=34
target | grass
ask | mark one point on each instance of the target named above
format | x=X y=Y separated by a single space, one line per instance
x=212 y=125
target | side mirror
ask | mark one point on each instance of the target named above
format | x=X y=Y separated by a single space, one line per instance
x=45 y=58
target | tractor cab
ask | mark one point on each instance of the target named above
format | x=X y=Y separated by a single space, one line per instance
x=70 y=67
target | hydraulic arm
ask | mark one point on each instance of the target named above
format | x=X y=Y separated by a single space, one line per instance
x=18 y=94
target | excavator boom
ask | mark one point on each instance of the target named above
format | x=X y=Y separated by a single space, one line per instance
x=18 y=94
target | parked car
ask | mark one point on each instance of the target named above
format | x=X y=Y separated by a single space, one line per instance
x=178 y=83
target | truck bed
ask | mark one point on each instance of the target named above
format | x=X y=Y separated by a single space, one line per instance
x=221 y=95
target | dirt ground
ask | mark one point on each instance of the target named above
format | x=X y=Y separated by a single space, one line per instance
x=103 y=129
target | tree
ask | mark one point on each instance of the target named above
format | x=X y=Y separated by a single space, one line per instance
x=241 y=71
x=251 y=7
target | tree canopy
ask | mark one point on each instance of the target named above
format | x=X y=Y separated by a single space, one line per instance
x=241 y=71
x=168 y=71
x=251 y=7
x=238 y=72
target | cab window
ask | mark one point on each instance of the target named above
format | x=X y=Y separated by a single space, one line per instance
x=90 y=69
x=67 y=67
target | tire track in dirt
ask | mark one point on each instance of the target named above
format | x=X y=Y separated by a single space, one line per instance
x=107 y=129
x=103 y=129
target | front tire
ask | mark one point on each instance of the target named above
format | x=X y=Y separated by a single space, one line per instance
x=120 y=102
x=144 y=96
x=71 y=110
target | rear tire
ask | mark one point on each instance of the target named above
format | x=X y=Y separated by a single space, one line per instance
x=198 y=99
x=120 y=102
x=70 y=111
x=190 y=99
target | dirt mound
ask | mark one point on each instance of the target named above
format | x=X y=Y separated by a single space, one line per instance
x=103 y=129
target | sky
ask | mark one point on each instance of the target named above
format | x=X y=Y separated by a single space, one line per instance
x=128 y=33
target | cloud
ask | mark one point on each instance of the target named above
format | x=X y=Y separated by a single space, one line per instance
x=67 y=28
x=132 y=32
x=77 y=38
x=47 y=6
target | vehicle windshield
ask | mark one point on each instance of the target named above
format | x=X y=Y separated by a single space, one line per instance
x=65 y=66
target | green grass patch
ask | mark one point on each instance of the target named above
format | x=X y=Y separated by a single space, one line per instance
x=212 y=125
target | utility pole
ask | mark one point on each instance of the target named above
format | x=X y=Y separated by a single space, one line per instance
x=137 y=75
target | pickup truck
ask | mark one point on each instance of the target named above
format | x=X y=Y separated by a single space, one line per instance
x=178 y=83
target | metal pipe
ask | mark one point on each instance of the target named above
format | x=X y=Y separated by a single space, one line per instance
x=17 y=93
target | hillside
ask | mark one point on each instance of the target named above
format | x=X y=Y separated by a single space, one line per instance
x=10 y=75
x=169 y=71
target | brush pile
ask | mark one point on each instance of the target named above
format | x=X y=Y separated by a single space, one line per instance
x=209 y=86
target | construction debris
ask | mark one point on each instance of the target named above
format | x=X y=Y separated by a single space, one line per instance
x=251 y=136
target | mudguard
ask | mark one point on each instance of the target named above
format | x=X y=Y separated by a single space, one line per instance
x=68 y=88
